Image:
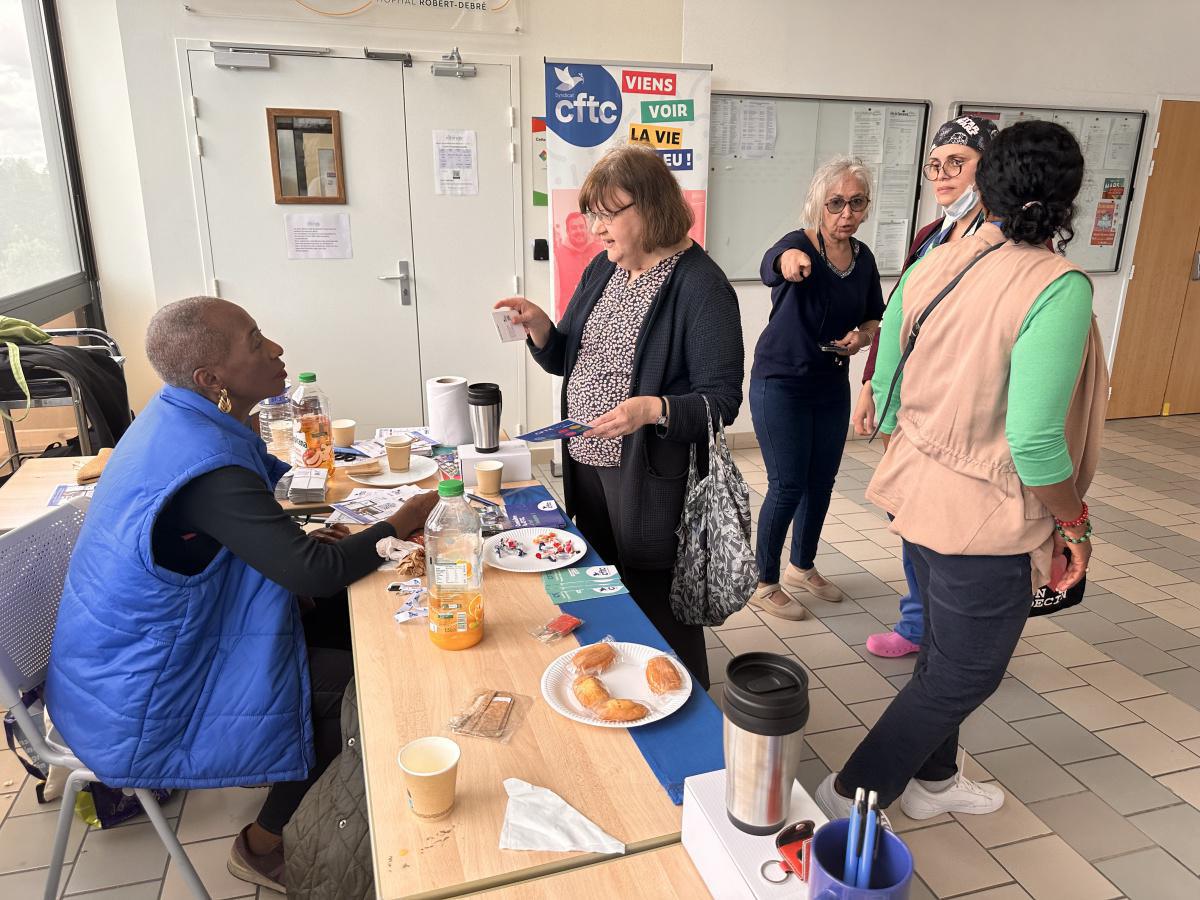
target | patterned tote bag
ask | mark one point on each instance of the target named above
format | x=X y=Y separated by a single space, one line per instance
x=715 y=572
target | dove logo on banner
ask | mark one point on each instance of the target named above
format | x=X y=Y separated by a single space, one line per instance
x=583 y=103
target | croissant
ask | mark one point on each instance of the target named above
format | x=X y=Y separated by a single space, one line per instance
x=662 y=676
x=594 y=659
x=590 y=691
x=621 y=711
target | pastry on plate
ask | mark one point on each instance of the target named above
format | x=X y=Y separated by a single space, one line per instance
x=590 y=691
x=662 y=675
x=594 y=659
x=621 y=711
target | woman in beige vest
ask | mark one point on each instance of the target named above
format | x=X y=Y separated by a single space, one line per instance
x=995 y=429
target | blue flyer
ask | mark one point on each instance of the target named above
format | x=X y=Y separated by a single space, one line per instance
x=559 y=431
x=531 y=508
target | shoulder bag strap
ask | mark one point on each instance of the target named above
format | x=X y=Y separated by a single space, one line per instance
x=916 y=330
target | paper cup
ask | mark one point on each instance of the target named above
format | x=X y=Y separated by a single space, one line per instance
x=488 y=475
x=399 y=452
x=430 y=767
x=343 y=432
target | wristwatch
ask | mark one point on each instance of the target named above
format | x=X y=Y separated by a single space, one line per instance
x=661 y=423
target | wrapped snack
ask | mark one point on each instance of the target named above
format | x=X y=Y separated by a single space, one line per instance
x=492 y=715
x=590 y=691
x=594 y=659
x=621 y=711
x=662 y=674
x=556 y=629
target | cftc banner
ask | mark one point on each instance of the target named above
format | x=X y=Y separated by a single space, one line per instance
x=592 y=107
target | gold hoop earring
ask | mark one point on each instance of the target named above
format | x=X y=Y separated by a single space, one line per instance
x=223 y=403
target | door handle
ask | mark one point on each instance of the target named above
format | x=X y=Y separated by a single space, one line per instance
x=1196 y=267
x=402 y=275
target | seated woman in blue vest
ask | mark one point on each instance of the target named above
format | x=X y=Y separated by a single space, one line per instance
x=180 y=658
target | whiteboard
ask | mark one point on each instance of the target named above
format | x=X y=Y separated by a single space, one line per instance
x=1111 y=141
x=764 y=149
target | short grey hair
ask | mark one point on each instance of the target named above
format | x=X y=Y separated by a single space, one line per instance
x=182 y=338
x=824 y=179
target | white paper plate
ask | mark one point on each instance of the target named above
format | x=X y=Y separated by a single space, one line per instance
x=626 y=680
x=529 y=562
x=419 y=468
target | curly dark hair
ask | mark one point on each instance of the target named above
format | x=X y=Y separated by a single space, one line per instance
x=1028 y=177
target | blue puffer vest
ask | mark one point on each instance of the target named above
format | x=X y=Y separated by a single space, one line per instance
x=170 y=681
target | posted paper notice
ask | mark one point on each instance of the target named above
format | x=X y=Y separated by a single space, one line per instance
x=318 y=236
x=455 y=163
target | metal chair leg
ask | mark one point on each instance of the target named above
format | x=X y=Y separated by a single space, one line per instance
x=12 y=447
x=171 y=842
x=81 y=419
x=71 y=788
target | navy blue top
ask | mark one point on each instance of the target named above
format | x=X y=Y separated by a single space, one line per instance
x=819 y=309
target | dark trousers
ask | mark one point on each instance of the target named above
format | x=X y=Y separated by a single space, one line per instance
x=975 y=608
x=330 y=668
x=597 y=504
x=802 y=433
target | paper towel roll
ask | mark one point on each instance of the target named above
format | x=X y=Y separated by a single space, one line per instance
x=449 y=420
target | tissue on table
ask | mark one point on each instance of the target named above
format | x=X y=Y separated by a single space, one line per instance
x=539 y=819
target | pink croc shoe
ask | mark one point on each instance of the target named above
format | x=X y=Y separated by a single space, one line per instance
x=891 y=645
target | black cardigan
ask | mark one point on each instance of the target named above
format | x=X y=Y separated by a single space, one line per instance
x=690 y=345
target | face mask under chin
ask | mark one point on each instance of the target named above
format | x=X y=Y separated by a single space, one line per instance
x=963 y=205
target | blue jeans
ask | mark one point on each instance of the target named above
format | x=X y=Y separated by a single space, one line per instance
x=911 y=626
x=801 y=433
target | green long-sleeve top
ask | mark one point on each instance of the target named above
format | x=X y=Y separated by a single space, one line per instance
x=1042 y=373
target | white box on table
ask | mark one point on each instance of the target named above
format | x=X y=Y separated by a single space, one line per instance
x=729 y=860
x=518 y=464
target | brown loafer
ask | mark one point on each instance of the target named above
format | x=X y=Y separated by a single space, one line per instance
x=795 y=580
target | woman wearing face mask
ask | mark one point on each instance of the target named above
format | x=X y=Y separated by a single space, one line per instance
x=950 y=168
x=825 y=306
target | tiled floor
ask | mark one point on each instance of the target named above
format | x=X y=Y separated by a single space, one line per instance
x=1095 y=735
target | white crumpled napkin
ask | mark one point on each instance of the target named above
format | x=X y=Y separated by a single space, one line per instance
x=539 y=819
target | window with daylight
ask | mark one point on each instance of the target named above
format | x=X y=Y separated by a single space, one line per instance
x=45 y=258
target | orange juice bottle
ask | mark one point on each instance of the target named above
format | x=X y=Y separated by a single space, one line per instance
x=454 y=561
x=312 y=437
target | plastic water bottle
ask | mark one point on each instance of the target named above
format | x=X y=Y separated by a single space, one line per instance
x=454 y=561
x=275 y=425
x=312 y=436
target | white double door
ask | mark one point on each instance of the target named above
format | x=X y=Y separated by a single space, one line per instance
x=371 y=338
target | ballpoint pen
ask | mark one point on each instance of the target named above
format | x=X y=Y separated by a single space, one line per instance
x=870 y=843
x=853 y=837
x=481 y=500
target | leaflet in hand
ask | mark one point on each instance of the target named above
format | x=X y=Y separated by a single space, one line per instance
x=509 y=329
x=567 y=428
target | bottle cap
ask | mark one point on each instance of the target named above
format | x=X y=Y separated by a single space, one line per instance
x=451 y=487
x=308 y=377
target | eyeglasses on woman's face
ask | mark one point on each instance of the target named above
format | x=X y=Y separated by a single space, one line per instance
x=951 y=167
x=606 y=217
x=857 y=204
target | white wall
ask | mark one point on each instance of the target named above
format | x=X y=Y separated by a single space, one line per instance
x=124 y=76
x=1065 y=53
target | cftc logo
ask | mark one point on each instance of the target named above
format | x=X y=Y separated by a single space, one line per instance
x=583 y=102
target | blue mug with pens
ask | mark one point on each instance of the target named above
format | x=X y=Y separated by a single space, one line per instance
x=859 y=859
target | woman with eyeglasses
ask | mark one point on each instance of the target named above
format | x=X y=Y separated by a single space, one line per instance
x=825 y=306
x=953 y=157
x=651 y=333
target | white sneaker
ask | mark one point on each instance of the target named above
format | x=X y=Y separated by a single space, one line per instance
x=964 y=796
x=835 y=806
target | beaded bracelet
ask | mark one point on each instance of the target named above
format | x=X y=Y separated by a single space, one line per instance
x=1075 y=523
x=1087 y=534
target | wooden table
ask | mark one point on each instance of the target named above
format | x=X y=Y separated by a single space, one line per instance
x=408 y=688
x=666 y=874
x=23 y=497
